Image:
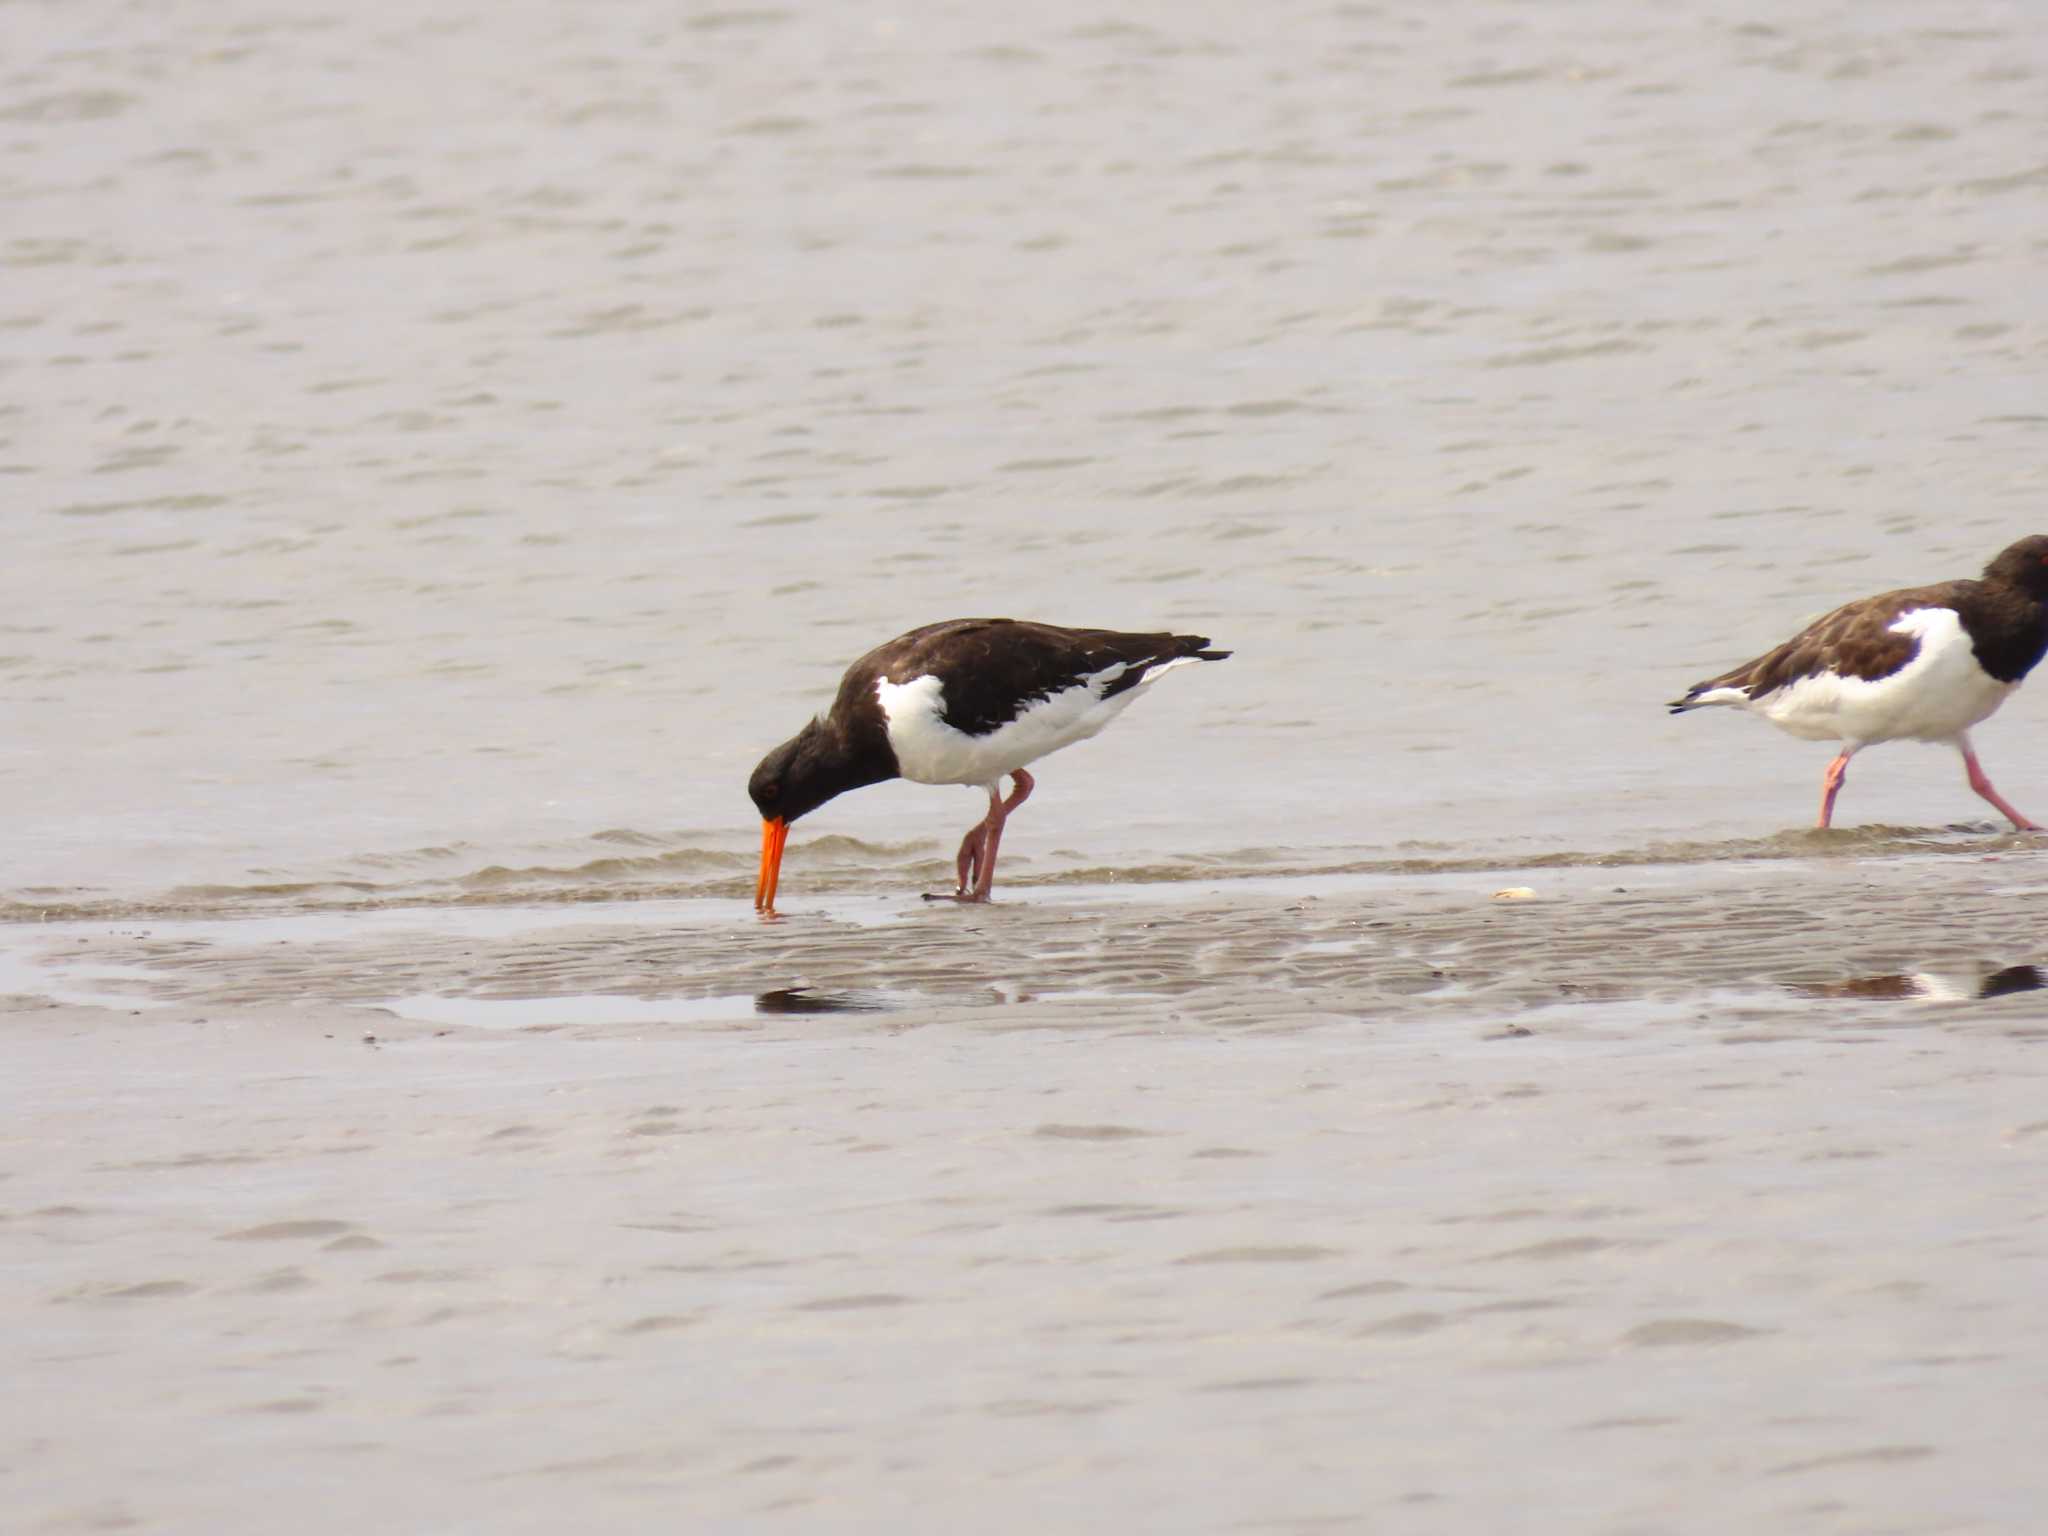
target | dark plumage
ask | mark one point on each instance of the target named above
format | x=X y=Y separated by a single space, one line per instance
x=1922 y=663
x=967 y=701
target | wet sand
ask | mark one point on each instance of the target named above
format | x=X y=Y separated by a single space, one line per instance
x=1384 y=1204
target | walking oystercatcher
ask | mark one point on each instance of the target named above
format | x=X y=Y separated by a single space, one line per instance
x=1922 y=664
x=967 y=701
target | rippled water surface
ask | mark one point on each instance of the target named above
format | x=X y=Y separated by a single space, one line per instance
x=451 y=441
x=446 y=445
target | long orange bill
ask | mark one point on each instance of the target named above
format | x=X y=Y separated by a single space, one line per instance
x=774 y=834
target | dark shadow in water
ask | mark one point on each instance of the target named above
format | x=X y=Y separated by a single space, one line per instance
x=804 y=1000
x=2014 y=978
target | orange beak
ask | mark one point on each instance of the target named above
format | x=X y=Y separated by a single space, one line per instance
x=774 y=834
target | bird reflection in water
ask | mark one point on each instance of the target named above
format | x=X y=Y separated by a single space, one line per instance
x=1927 y=985
x=804 y=1000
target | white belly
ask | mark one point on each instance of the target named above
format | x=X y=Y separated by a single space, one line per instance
x=1940 y=692
x=929 y=751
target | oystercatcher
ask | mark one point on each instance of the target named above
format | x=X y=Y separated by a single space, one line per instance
x=967 y=701
x=1922 y=664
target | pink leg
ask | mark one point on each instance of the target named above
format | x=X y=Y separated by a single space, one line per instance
x=977 y=861
x=1982 y=785
x=1831 y=784
x=1020 y=791
x=1021 y=785
x=970 y=854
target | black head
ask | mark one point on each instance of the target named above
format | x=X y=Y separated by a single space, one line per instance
x=798 y=776
x=2023 y=565
x=820 y=761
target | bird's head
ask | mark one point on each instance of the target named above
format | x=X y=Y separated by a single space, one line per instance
x=792 y=781
x=797 y=777
x=2023 y=565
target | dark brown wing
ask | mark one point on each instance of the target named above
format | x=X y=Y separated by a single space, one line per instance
x=1856 y=640
x=993 y=668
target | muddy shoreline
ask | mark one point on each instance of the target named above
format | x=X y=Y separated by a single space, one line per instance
x=1389 y=1202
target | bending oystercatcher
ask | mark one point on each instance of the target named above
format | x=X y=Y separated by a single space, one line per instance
x=1922 y=664
x=967 y=701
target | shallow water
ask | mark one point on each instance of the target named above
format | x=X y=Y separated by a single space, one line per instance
x=1733 y=943
x=447 y=445
x=445 y=449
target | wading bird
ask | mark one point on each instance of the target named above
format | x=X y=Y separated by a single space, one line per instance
x=1920 y=664
x=968 y=701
